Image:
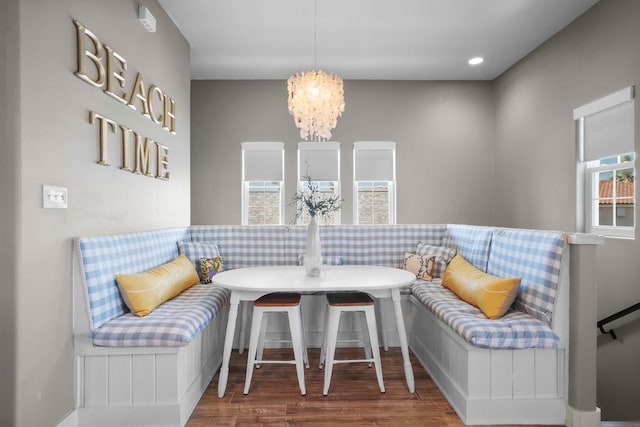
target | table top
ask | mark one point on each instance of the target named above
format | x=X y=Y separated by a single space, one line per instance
x=332 y=278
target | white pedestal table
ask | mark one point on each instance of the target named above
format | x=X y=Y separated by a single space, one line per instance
x=249 y=284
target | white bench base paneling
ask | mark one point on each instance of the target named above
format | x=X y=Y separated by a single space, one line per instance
x=146 y=386
x=488 y=386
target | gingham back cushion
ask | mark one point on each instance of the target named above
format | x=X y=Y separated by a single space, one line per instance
x=383 y=245
x=101 y=258
x=332 y=260
x=248 y=246
x=472 y=242
x=196 y=250
x=534 y=256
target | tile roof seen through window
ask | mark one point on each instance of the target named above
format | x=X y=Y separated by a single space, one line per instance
x=623 y=189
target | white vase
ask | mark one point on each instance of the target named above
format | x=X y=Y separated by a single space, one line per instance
x=312 y=250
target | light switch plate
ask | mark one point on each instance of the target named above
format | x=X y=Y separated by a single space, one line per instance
x=54 y=197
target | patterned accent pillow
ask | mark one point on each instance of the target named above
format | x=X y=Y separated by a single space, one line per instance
x=196 y=250
x=442 y=254
x=208 y=267
x=419 y=265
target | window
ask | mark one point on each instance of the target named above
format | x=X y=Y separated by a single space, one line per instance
x=611 y=184
x=374 y=177
x=262 y=183
x=606 y=167
x=321 y=162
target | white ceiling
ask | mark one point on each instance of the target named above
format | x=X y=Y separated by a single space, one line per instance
x=366 y=39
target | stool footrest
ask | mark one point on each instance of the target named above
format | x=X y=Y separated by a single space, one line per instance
x=336 y=361
x=274 y=362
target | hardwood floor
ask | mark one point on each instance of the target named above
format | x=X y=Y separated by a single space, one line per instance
x=354 y=398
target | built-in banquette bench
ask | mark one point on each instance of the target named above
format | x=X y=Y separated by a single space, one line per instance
x=153 y=370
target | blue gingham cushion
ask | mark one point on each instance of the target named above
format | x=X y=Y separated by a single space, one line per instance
x=196 y=250
x=515 y=330
x=326 y=260
x=247 y=245
x=534 y=256
x=472 y=242
x=383 y=245
x=174 y=323
x=101 y=258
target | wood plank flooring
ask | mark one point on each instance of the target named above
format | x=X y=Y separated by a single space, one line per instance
x=354 y=398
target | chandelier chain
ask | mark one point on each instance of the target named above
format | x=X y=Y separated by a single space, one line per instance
x=316 y=98
x=315 y=34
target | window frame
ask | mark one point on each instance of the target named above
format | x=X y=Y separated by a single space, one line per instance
x=267 y=146
x=307 y=149
x=592 y=195
x=391 y=184
x=587 y=189
x=303 y=219
x=390 y=196
x=246 y=197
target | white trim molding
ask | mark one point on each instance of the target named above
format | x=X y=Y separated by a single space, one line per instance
x=605 y=102
x=585 y=239
x=71 y=420
x=577 y=418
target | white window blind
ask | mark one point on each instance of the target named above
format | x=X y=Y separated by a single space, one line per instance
x=319 y=160
x=608 y=127
x=374 y=160
x=609 y=132
x=263 y=161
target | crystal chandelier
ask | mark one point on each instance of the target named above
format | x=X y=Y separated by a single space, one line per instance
x=316 y=98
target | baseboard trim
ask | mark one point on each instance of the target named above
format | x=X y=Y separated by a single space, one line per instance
x=620 y=423
x=577 y=418
x=70 y=420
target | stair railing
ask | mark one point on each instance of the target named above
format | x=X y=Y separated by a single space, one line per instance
x=616 y=316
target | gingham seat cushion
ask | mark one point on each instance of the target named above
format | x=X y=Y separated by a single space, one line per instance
x=174 y=323
x=515 y=330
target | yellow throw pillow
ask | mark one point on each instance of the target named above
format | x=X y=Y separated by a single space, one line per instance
x=419 y=265
x=145 y=291
x=491 y=294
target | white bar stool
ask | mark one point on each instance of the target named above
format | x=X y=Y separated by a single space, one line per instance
x=342 y=302
x=278 y=302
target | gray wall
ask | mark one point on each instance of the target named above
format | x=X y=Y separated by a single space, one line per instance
x=9 y=119
x=535 y=166
x=58 y=146
x=453 y=168
x=444 y=133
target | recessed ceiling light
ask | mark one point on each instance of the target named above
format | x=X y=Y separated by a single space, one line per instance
x=476 y=61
